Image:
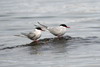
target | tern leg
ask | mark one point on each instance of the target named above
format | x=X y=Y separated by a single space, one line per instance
x=36 y=41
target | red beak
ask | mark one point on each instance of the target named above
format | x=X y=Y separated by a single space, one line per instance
x=67 y=27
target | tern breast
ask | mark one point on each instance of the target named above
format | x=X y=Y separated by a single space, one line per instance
x=37 y=34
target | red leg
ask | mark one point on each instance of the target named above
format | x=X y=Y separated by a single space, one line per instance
x=59 y=36
x=36 y=41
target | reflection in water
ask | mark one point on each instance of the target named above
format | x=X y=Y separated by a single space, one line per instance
x=18 y=16
x=54 y=45
x=52 y=51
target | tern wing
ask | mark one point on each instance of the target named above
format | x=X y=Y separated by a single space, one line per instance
x=30 y=35
x=54 y=30
x=58 y=31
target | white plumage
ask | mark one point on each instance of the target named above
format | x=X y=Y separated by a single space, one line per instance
x=34 y=35
x=57 y=31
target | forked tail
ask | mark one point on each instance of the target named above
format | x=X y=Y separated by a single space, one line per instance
x=23 y=35
x=42 y=25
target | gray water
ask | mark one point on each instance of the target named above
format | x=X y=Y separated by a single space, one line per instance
x=81 y=50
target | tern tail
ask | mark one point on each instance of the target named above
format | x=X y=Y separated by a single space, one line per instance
x=42 y=25
x=20 y=35
x=24 y=34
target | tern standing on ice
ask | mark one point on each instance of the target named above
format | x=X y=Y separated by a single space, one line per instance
x=57 y=31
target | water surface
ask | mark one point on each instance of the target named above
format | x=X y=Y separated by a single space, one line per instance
x=81 y=50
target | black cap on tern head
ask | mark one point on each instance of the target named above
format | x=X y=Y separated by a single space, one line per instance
x=39 y=28
x=64 y=25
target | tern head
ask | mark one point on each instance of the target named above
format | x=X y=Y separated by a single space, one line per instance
x=64 y=25
x=39 y=28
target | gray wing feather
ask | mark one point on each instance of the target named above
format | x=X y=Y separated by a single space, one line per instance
x=29 y=35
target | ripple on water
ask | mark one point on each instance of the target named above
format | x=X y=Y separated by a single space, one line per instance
x=72 y=51
x=58 y=41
